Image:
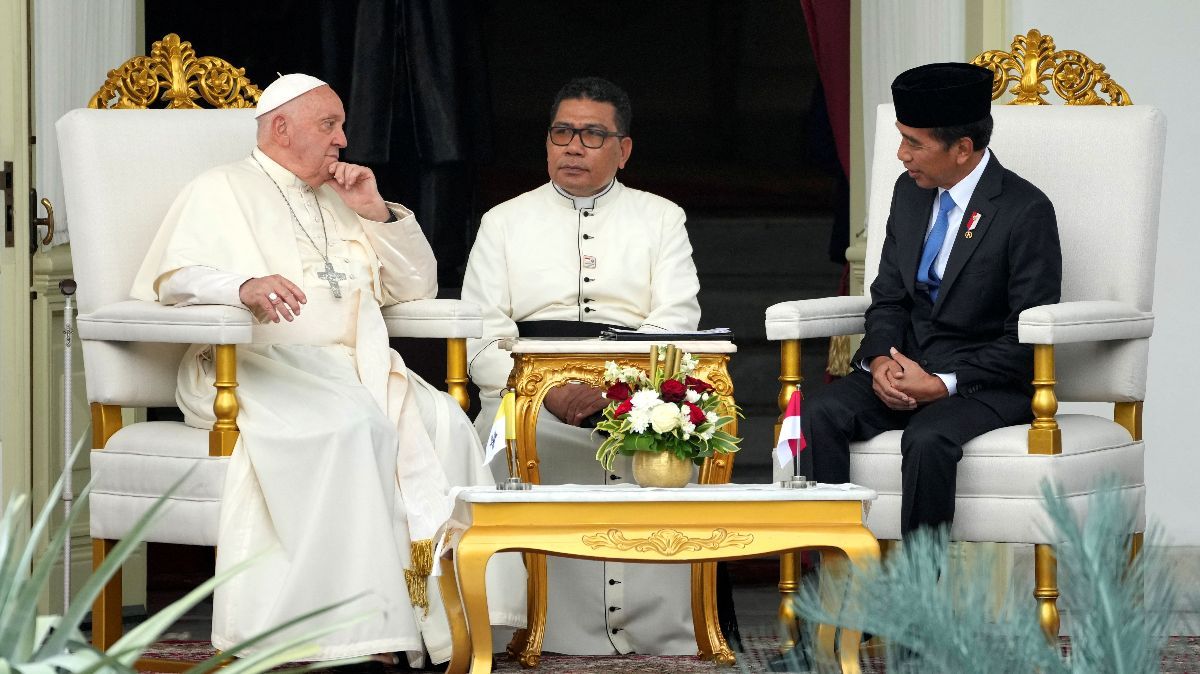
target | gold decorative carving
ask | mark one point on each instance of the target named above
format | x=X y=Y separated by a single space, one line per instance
x=1035 y=60
x=667 y=542
x=172 y=73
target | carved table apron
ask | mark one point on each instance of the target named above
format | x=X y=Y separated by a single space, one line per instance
x=625 y=523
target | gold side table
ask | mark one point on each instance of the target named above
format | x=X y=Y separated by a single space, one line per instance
x=625 y=523
x=541 y=364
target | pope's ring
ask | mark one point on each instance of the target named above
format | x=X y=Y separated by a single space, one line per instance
x=273 y=297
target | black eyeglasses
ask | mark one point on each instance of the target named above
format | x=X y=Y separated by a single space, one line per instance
x=591 y=138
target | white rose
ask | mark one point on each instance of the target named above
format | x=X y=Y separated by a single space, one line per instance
x=664 y=418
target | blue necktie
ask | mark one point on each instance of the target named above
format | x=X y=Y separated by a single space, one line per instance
x=933 y=245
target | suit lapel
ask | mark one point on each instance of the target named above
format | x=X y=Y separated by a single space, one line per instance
x=965 y=246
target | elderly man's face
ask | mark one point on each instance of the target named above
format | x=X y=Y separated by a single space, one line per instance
x=316 y=134
x=584 y=171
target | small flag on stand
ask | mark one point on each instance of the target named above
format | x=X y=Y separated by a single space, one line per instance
x=791 y=438
x=502 y=428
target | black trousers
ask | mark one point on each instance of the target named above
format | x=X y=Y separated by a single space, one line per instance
x=848 y=410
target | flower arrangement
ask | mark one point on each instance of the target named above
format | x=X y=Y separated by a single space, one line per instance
x=666 y=411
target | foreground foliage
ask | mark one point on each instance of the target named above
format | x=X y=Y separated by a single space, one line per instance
x=33 y=644
x=936 y=608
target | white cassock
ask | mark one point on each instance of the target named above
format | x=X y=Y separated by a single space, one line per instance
x=345 y=457
x=622 y=257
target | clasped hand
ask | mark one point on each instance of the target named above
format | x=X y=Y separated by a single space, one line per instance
x=902 y=384
x=572 y=403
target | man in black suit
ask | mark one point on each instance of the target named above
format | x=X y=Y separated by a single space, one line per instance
x=969 y=246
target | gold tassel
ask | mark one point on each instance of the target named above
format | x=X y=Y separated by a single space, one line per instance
x=416 y=577
x=839 y=356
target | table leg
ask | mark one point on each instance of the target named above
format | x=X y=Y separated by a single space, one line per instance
x=857 y=549
x=535 y=566
x=709 y=638
x=460 y=654
x=472 y=568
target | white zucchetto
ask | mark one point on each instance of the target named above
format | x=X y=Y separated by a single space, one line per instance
x=285 y=89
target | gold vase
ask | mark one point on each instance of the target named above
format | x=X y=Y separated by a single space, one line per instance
x=661 y=469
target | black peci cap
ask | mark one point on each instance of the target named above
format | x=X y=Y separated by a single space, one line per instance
x=942 y=94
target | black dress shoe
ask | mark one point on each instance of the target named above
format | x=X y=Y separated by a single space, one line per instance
x=795 y=660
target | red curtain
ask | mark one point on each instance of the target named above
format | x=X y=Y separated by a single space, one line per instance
x=829 y=32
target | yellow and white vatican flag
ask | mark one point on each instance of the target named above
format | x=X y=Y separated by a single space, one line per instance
x=502 y=428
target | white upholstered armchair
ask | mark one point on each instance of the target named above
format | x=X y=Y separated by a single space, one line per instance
x=1102 y=169
x=121 y=170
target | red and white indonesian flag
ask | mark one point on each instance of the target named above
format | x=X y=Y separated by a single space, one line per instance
x=791 y=438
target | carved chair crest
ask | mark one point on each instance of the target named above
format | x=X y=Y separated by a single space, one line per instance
x=1034 y=60
x=173 y=74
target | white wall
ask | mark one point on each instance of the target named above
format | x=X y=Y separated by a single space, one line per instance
x=1149 y=48
x=75 y=44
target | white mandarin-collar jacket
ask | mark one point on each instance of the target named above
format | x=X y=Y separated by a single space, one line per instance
x=625 y=260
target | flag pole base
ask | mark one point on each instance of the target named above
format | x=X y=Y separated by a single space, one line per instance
x=797 y=482
x=514 y=484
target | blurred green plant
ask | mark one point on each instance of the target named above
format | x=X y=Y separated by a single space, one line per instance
x=33 y=644
x=936 y=610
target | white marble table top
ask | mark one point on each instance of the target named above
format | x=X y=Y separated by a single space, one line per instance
x=628 y=493
x=602 y=346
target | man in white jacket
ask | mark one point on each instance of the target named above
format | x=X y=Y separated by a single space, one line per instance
x=569 y=258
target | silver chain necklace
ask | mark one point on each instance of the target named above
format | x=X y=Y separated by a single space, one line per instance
x=330 y=275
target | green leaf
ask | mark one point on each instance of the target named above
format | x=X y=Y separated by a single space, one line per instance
x=137 y=639
x=82 y=604
x=217 y=660
x=24 y=608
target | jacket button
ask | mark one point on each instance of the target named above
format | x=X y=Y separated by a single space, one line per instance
x=587 y=279
x=588 y=309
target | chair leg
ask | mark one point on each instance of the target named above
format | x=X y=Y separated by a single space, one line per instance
x=789 y=582
x=1045 y=568
x=106 y=612
x=1135 y=546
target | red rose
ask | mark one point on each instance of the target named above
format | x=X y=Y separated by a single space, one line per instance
x=695 y=414
x=698 y=385
x=673 y=391
x=618 y=391
x=623 y=408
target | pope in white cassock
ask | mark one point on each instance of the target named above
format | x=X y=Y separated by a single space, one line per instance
x=345 y=457
x=581 y=252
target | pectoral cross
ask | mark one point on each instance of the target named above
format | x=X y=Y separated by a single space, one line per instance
x=332 y=277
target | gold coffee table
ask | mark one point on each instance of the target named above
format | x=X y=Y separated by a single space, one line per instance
x=703 y=523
